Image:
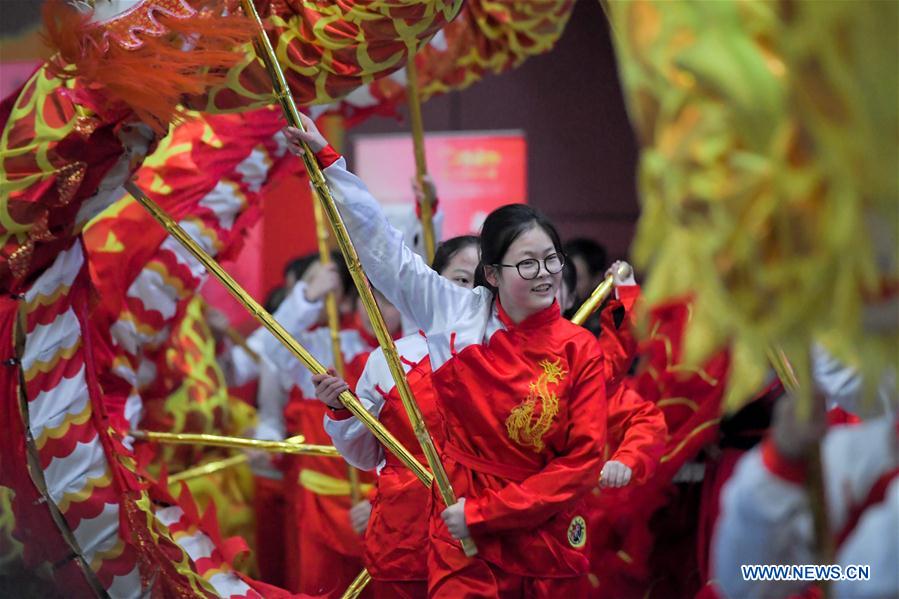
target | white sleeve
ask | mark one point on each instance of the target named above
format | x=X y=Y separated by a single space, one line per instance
x=353 y=440
x=764 y=519
x=843 y=386
x=871 y=544
x=296 y=314
x=270 y=399
x=432 y=302
x=237 y=365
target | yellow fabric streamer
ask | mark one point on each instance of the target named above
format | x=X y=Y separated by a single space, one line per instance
x=322 y=484
x=768 y=136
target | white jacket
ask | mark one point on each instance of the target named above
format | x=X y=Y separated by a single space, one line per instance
x=352 y=439
x=766 y=519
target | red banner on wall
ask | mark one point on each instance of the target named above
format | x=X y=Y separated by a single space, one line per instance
x=475 y=172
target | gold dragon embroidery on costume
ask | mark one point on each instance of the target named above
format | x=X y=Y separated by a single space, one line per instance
x=521 y=425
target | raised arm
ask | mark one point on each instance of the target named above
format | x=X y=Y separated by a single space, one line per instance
x=296 y=313
x=765 y=513
x=355 y=442
x=418 y=292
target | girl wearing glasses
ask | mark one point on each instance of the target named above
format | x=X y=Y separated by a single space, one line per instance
x=520 y=390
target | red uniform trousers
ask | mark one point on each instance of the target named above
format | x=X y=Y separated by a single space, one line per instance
x=324 y=553
x=454 y=576
x=399 y=589
x=270 y=510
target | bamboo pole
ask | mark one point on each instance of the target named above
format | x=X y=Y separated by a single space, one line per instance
x=814 y=484
x=599 y=295
x=356 y=587
x=282 y=93
x=324 y=256
x=421 y=165
x=290 y=447
x=207 y=469
x=265 y=319
x=241 y=341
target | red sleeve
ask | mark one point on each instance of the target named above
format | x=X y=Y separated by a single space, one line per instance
x=565 y=478
x=662 y=348
x=640 y=426
x=616 y=340
x=793 y=471
x=339 y=414
x=434 y=205
x=327 y=156
x=628 y=296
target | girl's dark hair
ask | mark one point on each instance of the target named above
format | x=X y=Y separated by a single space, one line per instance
x=298 y=266
x=274 y=299
x=569 y=277
x=449 y=248
x=501 y=228
x=346 y=279
x=593 y=253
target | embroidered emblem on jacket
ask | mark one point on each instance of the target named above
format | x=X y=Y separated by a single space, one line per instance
x=577 y=532
x=524 y=425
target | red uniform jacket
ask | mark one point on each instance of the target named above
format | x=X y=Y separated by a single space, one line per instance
x=524 y=421
x=396 y=541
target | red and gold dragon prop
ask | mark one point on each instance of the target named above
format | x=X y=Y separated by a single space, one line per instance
x=70 y=137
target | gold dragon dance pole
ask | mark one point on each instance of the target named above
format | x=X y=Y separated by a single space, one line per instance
x=356 y=587
x=265 y=319
x=265 y=52
x=324 y=252
x=294 y=447
x=599 y=295
x=324 y=256
x=421 y=165
x=208 y=468
x=814 y=484
x=241 y=342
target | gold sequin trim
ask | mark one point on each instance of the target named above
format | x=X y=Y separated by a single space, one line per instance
x=21 y=258
x=68 y=180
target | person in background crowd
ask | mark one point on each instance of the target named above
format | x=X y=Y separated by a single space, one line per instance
x=589 y=260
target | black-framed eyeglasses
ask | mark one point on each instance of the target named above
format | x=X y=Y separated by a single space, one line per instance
x=530 y=268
